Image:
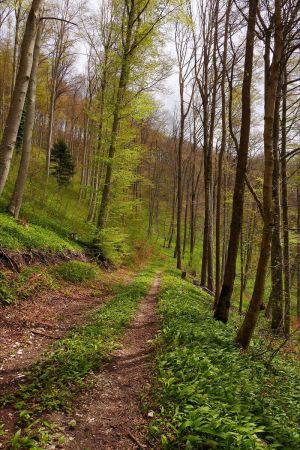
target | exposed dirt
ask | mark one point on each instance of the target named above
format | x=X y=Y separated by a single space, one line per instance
x=15 y=261
x=30 y=327
x=109 y=415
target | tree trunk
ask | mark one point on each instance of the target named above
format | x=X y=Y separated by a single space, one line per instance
x=276 y=248
x=19 y=94
x=285 y=215
x=242 y=271
x=298 y=254
x=223 y=305
x=17 y=197
x=50 y=128
x=123 y=80
x=16 y=47
x=247 y=328
x=221 y=155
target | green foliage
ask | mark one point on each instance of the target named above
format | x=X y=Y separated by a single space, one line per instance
x=23 y=285
x=113 y=245
x=76 y=271
x=210 y=394
x=6 y=295
x=2 y=432
x=45 y=207
x=63 y=168
x=14 y=236
x=52 y=383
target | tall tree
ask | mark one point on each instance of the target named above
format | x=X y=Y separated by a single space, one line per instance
x=19 y=94
x=17 y=197
x=222 y=152
x=135 y=29
x=223 y=305
x=185 y=67
x=247 y=328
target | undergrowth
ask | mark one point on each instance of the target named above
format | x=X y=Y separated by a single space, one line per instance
x=23 y=285
x=52 y=383
x=209 y=394
x=76 y=271
x=18 y=237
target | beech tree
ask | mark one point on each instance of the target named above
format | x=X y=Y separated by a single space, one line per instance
x=19 y=92
x=223 y=305
x=246 y=331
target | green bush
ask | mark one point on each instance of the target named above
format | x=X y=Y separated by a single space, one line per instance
x=76 y=271
x=113 y=245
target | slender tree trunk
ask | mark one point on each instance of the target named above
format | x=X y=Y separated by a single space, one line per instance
x=50 y=128
x=17 y=197
x=172 y=225
x=186 y=213
x=16 y=48
x=298 y=254
x=18 y=98
x=247 y=328
x=242 y=270
x=179 y=192
x=221 y=156
x=276 y=248
x=250 y=237
x=223 y=305
x=123 y=80
x=193 y=195
x=285 y=215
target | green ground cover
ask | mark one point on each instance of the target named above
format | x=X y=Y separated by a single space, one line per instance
x=209 y=394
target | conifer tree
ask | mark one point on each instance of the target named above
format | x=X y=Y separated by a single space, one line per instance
x=63 y=167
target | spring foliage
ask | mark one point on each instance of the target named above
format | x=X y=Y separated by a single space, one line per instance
x=210 y=394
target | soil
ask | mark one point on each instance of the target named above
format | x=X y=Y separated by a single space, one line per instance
x=109 y=416
x=15 y=261
x=30 y=327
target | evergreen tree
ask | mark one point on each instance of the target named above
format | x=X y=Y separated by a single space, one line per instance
x=63 y=165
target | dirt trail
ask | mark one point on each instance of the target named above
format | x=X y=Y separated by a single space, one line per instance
x=109 y=416
x=28 y=328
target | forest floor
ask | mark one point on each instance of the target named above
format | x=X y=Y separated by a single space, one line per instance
x=28 y=328
x=109 y=416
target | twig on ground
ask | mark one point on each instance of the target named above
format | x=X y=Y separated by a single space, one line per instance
x=45 y=335
x=135 y=440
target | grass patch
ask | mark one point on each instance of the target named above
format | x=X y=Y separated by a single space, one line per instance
x=210 y=395
x=52 y=383
x=16 y=237
x=76 y=271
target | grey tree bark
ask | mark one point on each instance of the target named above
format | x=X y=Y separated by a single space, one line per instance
x=17 y=197
x=18 y=98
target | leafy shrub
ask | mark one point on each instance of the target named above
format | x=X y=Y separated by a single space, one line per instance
x=76 y=271
x=113 y=245
x=6 y=295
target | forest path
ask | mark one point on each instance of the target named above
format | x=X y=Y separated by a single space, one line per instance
x=29 y=328
x=109 y=415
